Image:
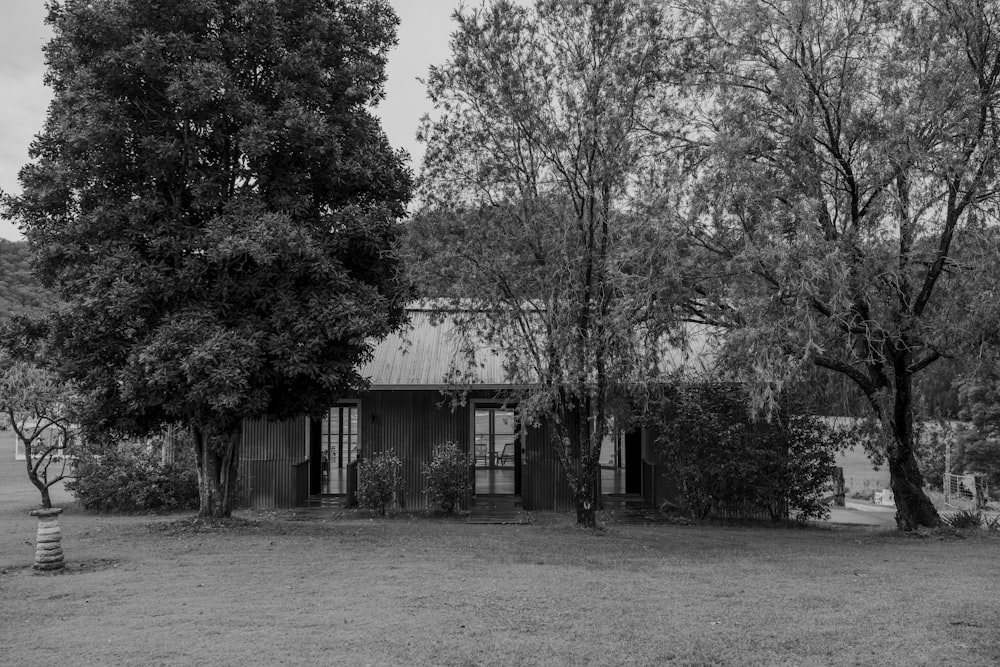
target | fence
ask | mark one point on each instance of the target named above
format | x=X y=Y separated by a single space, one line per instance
x=964 y=491
x=865 y=486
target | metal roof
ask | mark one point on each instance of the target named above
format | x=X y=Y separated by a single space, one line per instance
x=429 y=351
x=426 y=353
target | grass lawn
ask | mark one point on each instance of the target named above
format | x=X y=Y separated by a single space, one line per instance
x=156 y=590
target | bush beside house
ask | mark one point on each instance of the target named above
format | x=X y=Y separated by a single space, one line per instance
x=126 y=477
x=380 y=480
x=728 y=464
x=447 y=477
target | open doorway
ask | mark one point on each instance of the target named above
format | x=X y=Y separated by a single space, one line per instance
x=496 y=450
x=621 y=463
x=334 y=445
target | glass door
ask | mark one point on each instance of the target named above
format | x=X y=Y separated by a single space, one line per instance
x=495 y=445
x=339 y=446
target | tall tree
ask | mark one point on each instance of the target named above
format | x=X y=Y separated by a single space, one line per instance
x=215 y=201
x=850 y=149
x=547 y=118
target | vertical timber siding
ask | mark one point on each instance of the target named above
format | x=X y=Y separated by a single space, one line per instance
x=543 y=482
x=410 y=423
x=271 y=457
x=659 y=486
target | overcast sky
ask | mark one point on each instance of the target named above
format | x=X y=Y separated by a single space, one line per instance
x=423 y=40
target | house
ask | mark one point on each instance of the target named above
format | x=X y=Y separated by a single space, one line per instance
x=407 y=409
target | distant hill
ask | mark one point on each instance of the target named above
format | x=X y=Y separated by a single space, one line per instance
x=20 y=291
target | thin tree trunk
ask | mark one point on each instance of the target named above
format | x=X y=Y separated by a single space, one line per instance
x=585 y=496
x=577 y=465
x=42 y=487
x=46 y=500
x=585 y=510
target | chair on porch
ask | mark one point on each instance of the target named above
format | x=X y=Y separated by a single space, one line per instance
x=507 y=455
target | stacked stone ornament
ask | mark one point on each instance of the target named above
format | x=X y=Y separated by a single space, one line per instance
x=48 y=545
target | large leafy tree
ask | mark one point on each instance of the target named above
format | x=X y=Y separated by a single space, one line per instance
x=547 y=119
x=215 y=201
x=849 y=175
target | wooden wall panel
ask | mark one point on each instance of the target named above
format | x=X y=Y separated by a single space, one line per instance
x=543 y=485
x=410 y=423
x=269 y=454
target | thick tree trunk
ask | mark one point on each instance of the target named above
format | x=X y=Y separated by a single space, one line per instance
x=913 y=508
x=218 y=462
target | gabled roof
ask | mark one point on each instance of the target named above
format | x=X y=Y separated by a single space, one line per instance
x=429 y=351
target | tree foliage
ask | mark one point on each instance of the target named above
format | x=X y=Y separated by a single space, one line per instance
x=547 y=118
x=120 y=475
x=380 y=480
x=37 y=406
x=842 y=204
x=216 y=203
x=728 y=464
x=978 y=449
x=21 y=294
x=447 y=476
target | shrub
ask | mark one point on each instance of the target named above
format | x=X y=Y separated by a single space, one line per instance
x=447 y=477
x=727 y=464
x=130 y=477
x=963 y=519
x=379 y=478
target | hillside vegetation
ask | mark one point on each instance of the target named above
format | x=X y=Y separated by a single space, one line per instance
x=20 y=292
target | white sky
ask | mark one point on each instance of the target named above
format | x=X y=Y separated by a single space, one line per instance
x=425 y=26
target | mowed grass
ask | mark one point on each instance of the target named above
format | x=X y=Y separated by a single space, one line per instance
x=267 y=589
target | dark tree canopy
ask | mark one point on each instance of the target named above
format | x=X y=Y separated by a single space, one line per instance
x=215 y=200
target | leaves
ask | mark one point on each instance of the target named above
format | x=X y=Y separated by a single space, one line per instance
x=380 y=479
x=727 y=464
x=20 y=292
x=546 y=121
x=447 y=476
x=843 y=174
x=214 y=200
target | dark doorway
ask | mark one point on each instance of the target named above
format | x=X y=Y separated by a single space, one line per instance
x=633 y=461
x=315 y=454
